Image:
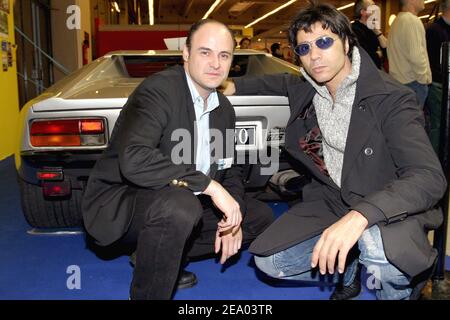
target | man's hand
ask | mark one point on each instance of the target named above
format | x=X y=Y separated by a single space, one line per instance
x=229 y=241
x=338 y=238
x=382 y=40
x=225 y=203
x=377 y=32
x=228 y=88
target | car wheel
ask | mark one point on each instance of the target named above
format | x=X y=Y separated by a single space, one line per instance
x=41 y=212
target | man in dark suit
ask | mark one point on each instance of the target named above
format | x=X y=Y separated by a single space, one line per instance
x=375 y=178
x=157 y=183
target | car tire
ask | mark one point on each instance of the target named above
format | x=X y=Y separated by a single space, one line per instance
x=41 y=212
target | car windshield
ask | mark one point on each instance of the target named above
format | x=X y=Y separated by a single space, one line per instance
x=144 y=66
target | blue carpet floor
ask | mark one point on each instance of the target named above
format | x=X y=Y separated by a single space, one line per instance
x=41 y=266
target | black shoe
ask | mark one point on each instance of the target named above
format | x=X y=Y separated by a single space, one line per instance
x=185 y=280
x=420 y=282
x=133 y=259
x=347 y=293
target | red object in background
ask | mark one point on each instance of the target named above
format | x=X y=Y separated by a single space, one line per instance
x=386 y=65
x=108 y=41
x=85 y=53
x=97 y=23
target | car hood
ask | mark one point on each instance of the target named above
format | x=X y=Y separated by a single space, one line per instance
x=104 y=89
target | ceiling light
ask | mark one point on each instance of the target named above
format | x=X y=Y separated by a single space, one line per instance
x=346 y=6
x=151 y=12
x=270 y=13
x=214 y=5
x=391 y=19
x=116 y=6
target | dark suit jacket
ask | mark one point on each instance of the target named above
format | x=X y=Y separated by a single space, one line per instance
x=139 y=154
x=390 y=172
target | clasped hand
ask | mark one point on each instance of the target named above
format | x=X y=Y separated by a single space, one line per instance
x=229 y=233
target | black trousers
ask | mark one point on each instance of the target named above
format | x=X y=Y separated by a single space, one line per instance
x=171 y=223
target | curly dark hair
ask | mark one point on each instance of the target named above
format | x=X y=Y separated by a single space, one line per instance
x=329 y=17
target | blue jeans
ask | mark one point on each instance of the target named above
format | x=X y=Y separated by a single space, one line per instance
x=421 y=91
x=294 y=263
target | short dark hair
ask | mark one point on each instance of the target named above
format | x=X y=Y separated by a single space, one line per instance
x=359 y=5
x=329 y=17
x=274 y=47
x=197 y=26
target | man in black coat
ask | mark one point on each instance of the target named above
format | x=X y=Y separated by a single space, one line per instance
x=162 y=183
x=375 y=178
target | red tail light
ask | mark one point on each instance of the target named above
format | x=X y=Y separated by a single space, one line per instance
x=55 y=127
x=67 y=133
x=56 y=189
x=55 y=175
x=92 y=126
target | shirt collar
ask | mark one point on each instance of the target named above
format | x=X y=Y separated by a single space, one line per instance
x=213 y=99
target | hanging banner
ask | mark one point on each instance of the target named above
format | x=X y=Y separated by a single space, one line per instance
x=3 y=24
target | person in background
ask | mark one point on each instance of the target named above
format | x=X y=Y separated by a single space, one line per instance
x=436 y=34
x=245 y=43
x=407 y=50
x=275 y=49
x=370 y=39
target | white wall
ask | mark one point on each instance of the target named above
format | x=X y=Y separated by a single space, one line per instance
x=67 y=43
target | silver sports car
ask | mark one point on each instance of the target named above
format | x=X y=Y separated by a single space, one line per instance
x=64 y=130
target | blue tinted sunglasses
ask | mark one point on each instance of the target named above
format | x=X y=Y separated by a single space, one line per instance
x=303 y=48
